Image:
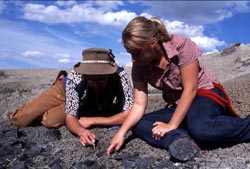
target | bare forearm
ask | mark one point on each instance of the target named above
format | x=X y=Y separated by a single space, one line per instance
x=182 y=108
x=189 y=77
x=117 y=119
x=134 y=116
x=138 y=108
x=73 y=125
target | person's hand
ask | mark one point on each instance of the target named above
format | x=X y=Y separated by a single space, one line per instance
x=115 y=143
x=160 y=129
x=86 y=122
x=87 y=137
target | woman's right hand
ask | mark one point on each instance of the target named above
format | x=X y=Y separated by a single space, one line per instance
x=115 y=143
x=87 y=137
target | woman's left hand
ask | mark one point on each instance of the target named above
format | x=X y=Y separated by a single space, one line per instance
x=160 y=129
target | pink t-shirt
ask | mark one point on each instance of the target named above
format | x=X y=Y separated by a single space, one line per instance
x=181 y=51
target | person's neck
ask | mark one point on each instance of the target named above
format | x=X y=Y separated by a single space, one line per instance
x=161 y=61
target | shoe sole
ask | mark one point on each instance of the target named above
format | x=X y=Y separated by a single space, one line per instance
x=183 y=149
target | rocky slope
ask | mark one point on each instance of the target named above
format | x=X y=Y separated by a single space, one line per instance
x=230 y=63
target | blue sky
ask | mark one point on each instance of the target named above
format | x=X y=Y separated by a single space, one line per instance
x=52 y=34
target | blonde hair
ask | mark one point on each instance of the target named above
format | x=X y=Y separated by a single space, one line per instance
x=140 y=30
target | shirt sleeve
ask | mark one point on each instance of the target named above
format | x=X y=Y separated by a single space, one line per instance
x=127 y=90
x=72 y=97
x=183 y=49
x=188 y=51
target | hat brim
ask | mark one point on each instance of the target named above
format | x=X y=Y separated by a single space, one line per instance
x=96 y=68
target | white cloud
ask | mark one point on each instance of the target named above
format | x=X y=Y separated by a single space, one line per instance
x=119 y=19
x=195 y=33
x=63 y=55
x=64 y=60
x=184 y=29
x=98 y=12
x=207 y=44
x=32 y=53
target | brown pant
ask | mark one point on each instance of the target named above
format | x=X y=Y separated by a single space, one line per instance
x=47 y=108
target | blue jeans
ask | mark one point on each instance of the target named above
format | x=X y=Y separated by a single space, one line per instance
x=205 y=122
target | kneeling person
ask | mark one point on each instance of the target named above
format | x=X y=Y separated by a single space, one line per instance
x=98 y=93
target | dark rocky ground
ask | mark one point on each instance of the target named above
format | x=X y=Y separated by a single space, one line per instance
x=40 y=147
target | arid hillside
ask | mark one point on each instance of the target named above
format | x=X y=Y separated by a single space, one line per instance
x=230 y=63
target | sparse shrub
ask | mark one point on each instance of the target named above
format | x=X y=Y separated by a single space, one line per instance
x=11 y=87
x=2 y=73
x=23 y=90
x=6 y=89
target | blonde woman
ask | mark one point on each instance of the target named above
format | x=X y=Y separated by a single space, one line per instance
x=196 y=105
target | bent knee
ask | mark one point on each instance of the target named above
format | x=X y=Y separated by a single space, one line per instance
x=198 y=133
x=52 y=122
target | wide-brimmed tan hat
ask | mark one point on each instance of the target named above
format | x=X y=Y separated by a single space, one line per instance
x=96 y=61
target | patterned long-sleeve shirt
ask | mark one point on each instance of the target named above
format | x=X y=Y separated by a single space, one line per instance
x=80 y=97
